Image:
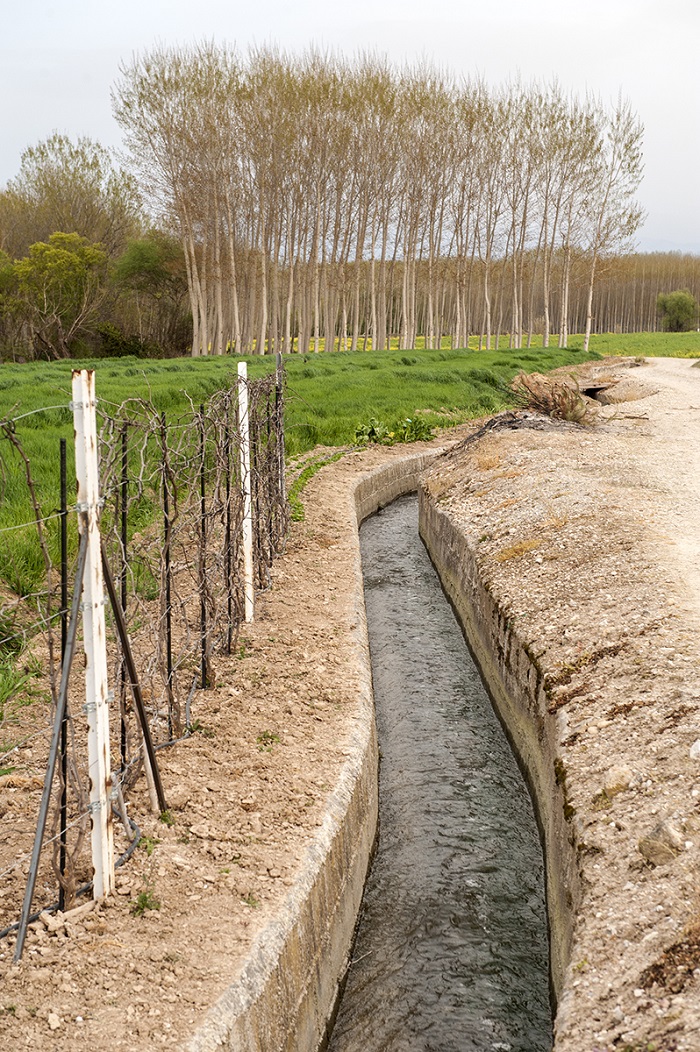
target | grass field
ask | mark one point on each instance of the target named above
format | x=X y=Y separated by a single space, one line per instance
x=328 y=397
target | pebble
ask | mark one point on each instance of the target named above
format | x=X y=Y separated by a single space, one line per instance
x=695 y=750
x=662 y=844
x=617 y=779
x=53 y=1021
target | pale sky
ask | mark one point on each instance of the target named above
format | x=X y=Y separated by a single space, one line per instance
x=59 y=58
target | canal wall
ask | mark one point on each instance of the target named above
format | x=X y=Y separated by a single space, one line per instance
x=288 y=988
x=516 y=686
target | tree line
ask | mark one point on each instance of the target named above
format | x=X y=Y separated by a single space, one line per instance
x=292 y=202
x=330 y=198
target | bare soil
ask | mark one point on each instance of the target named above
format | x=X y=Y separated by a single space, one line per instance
x=591 y=538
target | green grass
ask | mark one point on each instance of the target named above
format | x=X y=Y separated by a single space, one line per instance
x=644 y=344
x=328 y=397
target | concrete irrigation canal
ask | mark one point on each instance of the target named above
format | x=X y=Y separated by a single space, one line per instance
x=451 y=952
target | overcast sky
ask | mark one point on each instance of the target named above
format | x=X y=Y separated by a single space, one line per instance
x=59 y=58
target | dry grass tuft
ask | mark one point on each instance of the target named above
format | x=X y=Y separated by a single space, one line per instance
x=487 y=461
x=552 y=397
x=516 y=550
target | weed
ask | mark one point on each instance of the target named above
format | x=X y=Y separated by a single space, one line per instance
x=374 y=431
x=166 y=818
x=148 y=843
x=17 y=678
x=266 y=740
x=414 y=429
x=144 y=901
x=197 y=727
x=250 y=900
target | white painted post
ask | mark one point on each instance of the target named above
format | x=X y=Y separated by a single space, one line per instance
x=244 y=442
x=94 y=635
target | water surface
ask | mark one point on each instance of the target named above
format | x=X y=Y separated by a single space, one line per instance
x=451 y=953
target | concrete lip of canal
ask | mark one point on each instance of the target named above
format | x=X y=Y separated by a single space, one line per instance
x=451 y=951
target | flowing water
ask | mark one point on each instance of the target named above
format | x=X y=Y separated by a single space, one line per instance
x=451 y=953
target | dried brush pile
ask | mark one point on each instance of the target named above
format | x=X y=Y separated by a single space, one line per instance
x=555 y=398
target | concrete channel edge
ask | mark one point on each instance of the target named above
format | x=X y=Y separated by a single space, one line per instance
x=517 y=690
x=287 y=991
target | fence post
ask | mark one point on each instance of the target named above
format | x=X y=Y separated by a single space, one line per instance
x=243 y=424
x=94 y=634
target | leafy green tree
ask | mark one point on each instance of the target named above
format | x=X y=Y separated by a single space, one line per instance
x=73 y=186
x=151 y=277
x=62 y=283
x=678 y=310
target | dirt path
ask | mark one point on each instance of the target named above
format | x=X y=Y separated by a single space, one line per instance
x=672 y=463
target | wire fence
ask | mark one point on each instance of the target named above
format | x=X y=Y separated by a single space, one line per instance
x=173 y=499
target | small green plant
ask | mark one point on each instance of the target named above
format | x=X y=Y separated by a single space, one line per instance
x=414 y=429
x=266 y=739
x=10 y=1009
x=166 y=818
x=16 y=677
x=197 y=727
x=144 y=901
x=250 y=900
x=373 y=431
x=148 y=843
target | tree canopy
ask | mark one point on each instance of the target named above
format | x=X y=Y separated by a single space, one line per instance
x=678 y=310
x=71 y=186
x=61 y=283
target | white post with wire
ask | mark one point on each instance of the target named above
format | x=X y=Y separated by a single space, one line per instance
x=94 y=634
x=244 y=443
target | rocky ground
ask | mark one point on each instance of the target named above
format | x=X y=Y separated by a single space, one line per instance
x=589 y=539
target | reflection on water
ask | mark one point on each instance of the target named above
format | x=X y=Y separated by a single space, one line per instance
x=451 y=954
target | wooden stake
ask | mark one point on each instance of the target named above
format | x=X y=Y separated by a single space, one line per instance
x=94 y=634
x=248 y=583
